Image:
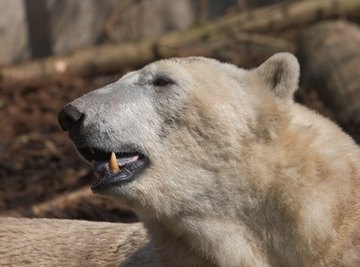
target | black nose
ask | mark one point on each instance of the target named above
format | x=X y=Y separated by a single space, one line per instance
x=69 y=116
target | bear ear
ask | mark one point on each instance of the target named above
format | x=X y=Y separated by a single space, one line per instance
x=280 y=73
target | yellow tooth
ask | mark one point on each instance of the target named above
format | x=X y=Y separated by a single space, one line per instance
x=113 y=165
x=92 y=151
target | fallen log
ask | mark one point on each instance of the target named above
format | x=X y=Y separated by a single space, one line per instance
x=52 y=242
x=268 y=19
x=113 y=57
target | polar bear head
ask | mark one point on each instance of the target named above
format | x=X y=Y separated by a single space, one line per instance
x=180 y=130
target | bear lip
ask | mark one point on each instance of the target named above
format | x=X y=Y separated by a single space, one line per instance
x=102 y=168
x=130 y=165
x=127 y=173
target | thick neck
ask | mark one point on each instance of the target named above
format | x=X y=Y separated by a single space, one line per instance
x=273 y=206
x=174 y=248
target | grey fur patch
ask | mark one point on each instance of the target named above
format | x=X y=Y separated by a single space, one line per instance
x=171 y=121
x=277 y=75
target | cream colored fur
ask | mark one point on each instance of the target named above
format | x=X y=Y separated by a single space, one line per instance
x=249 y=178
x=240 y=175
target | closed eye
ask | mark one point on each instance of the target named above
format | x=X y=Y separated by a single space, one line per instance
x=162 y=81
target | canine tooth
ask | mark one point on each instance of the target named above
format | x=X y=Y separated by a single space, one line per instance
x=92 y=151
x=113 y=164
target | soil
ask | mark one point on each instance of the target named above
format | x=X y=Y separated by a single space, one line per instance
x=41 y=175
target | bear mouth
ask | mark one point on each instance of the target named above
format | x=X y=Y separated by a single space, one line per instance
x=114 y=168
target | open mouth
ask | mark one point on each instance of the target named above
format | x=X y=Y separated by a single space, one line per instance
x=114 y=168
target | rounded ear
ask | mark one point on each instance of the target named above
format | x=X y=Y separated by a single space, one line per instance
x=280 y=73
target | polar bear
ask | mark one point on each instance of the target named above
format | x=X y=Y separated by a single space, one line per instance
x=221 y=165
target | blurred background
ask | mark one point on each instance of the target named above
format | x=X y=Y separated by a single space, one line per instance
x=52 y=51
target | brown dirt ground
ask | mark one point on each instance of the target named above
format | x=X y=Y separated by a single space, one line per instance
x=40 y=173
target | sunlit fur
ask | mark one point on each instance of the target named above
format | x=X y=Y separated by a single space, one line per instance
x=240 y=175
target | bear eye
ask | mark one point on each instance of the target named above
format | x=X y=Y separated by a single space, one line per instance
x=162 y=81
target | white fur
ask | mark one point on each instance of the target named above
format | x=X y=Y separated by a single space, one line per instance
x=240 y=175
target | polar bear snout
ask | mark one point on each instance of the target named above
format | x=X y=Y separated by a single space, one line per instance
x=69 y=116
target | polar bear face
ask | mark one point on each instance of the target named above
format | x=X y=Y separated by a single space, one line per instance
x=179 y=128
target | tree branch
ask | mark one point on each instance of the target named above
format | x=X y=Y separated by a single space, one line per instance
x=111 y=58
